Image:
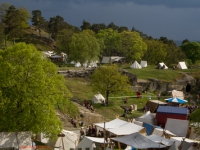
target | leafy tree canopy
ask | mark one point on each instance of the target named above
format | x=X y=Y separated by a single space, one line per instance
x=192 y=50
x=30 y=89
x=109 y=80
x=84 y=47
x=132 y=45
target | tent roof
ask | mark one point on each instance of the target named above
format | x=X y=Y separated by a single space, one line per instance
x=182 y=65
x=158 y=102
x=172 y=110
x=138 y=141
x=159 y=139
x=161 y=65
x=126 y=129
x=135 y=65
x=148 y=114
x=105 y=60
x=143 y=63
x=178 y=94
x=70 y=140
x=19 y=140
x=177 y=126
x=98 y=98
x=94 y=139
x=116 y=123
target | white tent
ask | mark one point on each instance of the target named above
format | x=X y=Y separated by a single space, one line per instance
x=116 y=123
x=184 y=142
x=98 y=98
x=135 y=65
x=18 y=140
x=78 y=64
x=89 y=143
x=181 y=65
x=105 y=60
x=143 y=63
x=160 y=65
x=138 y=141
x=73 y=62
x=148 y=117
x=68 y=141
x=126 y=129
x=178 y=94
x=159 y=139
x=177 y=126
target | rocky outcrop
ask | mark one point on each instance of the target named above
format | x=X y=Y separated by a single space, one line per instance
x=151 y=85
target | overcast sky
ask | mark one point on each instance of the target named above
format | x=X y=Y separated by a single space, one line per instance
x=174 y=19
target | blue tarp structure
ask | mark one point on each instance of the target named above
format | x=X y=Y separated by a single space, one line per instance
x=149 y=128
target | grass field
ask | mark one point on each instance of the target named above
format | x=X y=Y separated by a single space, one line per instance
x=81 y=89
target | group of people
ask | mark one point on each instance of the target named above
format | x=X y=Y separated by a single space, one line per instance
x=88 y=105
x=90 y=130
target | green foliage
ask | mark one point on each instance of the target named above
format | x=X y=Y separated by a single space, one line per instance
x=191 y=50
x=30 y=89
x=132 y=45
x=109 y=80
x=84 y=47
x=156 y=51
x=195 y=119
x=63 y=41
x=110 y=41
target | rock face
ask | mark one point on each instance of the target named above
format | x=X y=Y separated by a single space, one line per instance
x=151 y=85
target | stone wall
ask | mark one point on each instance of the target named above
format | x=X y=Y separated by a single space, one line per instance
x=151 y=85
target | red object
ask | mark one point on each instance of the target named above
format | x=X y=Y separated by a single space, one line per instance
x=138 y=94
x=162 y=118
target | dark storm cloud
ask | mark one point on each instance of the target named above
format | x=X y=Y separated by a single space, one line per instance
x=175 y=19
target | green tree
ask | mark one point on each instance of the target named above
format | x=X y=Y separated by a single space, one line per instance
x=97 y=27
x=156 y=51
x=112 y=26
x=85 y=26
x=194 y=117
x=56 y=24
x=132 y=45
x=37 y=20
x=3 y=9
x=109 y=80
x=64 y=40
x=1 y=35
x=30 y=90
x=84 y=47
x=122 y=28
x=192 y=51
x=110 y=40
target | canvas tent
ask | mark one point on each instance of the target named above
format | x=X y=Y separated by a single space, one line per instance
x=181 y=65
x=78 y=64
x=68 y=141
x=116 y=123
x=126 y=129
x=159 y=139
x=152 y=105
x=17 y=140
x=178 y=94
x=148 y=117
x=164 y=112
x=138 y=141
x=161 y=65
x=135 y=65
x=106 y=60
x=98 y=98
x=177 y=126
x=116 y=59
x=187 y=144
x=143 y=63
x=89 y=143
